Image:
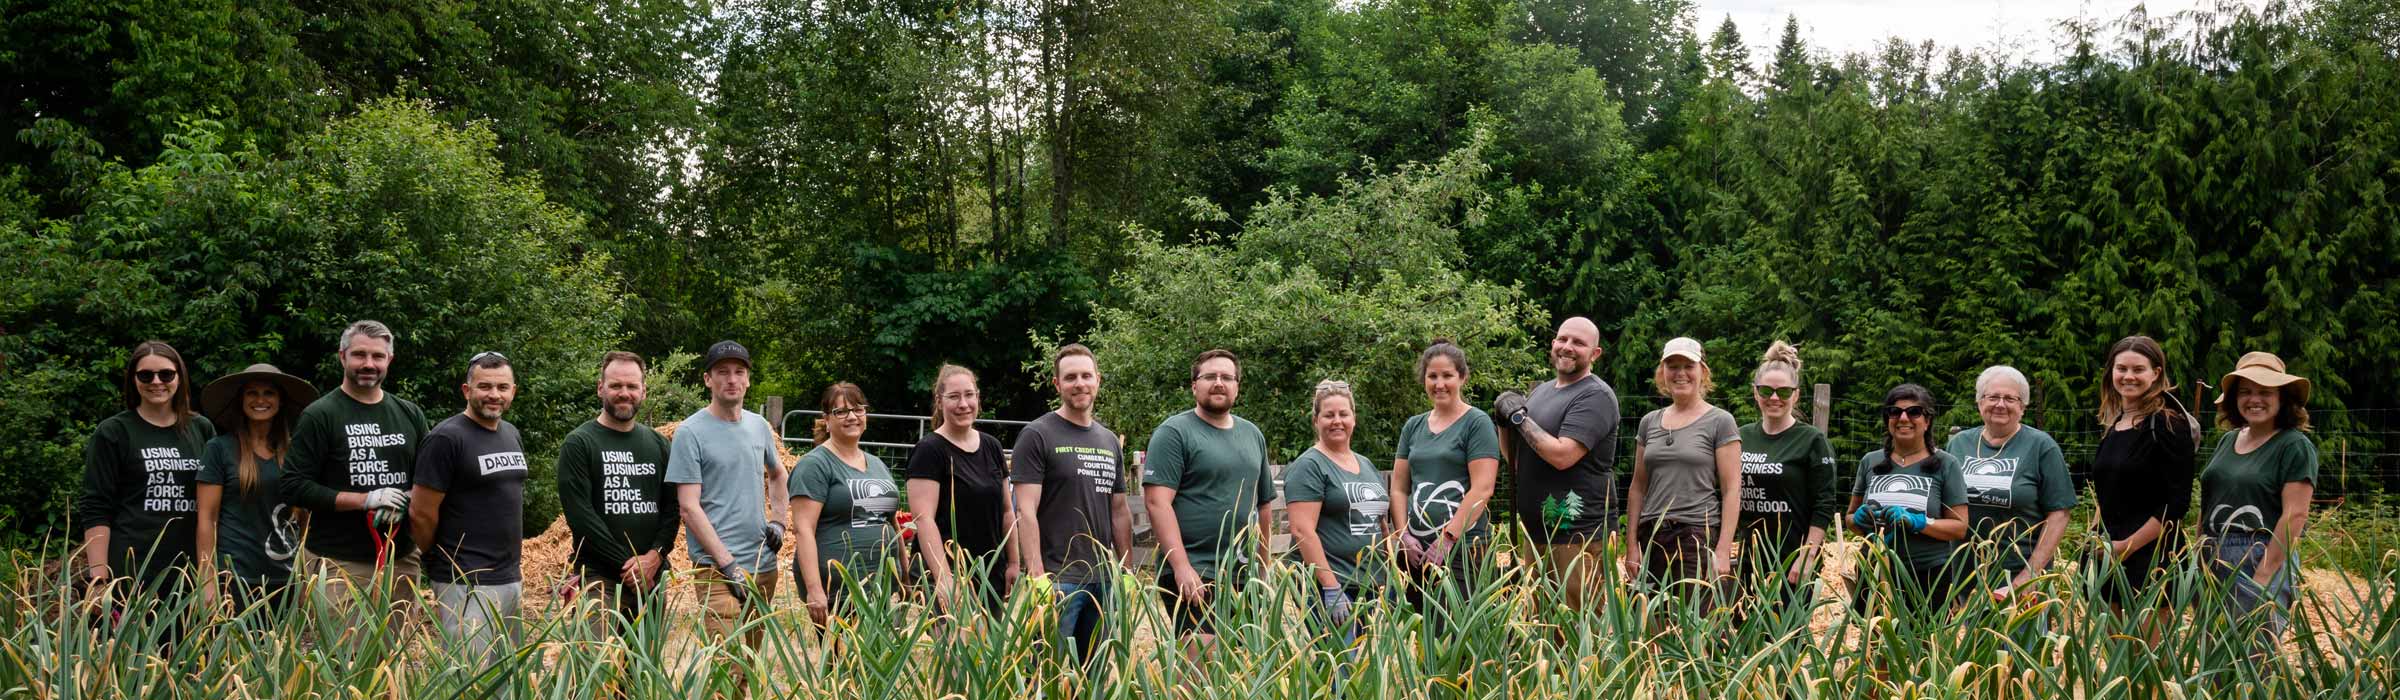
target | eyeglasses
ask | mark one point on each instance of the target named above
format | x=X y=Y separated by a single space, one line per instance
x=957 y=396
x=155 y=376
x=853 y=411
x=1214 y=378
x=2004 y=399
x=486 y=355
x=1891 y=412
x=1784 y=393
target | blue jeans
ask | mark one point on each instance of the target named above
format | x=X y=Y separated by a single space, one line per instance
x=2231 y=558
x=1079 y=613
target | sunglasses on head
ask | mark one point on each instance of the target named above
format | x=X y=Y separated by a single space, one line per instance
x=155 y=376
x=1890 y=412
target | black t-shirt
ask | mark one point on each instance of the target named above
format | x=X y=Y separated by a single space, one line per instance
x=137 y=481
x=612 y=488
x=1573 y=504
x=973 y=509
x=338 y=446
x=1080 y=469
x=481 y=474
x=2142 y=473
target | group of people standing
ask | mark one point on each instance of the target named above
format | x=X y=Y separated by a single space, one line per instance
x=1716 y=508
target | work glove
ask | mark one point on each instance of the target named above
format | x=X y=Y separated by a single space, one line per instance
x=1866 y=517
x=737 y=581
x=773 y=537
x=1337 y=604
x=1511 y=407
x=1905 y=517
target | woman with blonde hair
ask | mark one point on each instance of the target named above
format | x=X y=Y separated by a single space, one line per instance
x=958 y=495
x=1684 y=505
x=1788 y=495
x=1337 y=504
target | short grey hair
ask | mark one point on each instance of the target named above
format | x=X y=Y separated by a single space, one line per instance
x=2005 y=373
x=371 y=329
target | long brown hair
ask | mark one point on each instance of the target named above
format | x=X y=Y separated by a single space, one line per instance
x=832 y=399
x=182 y=402
x=279 y=434
x=940 y=377
x=2153 y=400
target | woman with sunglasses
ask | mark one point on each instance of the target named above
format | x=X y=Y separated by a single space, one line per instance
x=2018 y=491
x=842 y=505
x=1788 y=495
x=2141 y=478
x=1684 y=502
x=137 y=508
x=243 y=520
x=957 y=495
x=1337 y=504
x=2255 y=492
x=1912 y=499
x=1446 y=466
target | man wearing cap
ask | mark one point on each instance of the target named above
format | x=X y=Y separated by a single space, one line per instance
x=1563 y=443
x=612 y=488
x=353 y=453
x=729 y=487
x=468 y=513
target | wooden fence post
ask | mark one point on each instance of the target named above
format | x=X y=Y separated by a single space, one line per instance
x=1820 y=409
x=774 y=414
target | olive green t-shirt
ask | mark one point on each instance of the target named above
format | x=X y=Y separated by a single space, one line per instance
x=2243 y=493
x=855 y=525
x=2011 y=487
x=1220 y=479
x=1437 y=469
x=1351 y=519
x=613 y=490
x=1681 y=465
x=256 y=533
x=1931 y=486
x=1787 y=486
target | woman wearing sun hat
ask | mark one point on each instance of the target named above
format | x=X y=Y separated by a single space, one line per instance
x=2255 y=491
x=243 y=524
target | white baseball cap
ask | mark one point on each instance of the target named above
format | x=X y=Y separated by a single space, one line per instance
x=1683 y=346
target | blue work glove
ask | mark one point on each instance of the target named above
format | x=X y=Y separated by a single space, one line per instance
x=1337 y=604
x=1866 y=517
x=1905 y=517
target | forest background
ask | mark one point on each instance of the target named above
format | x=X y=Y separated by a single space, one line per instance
x=863 y=190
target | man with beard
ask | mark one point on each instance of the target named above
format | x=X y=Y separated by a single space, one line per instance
x=1204 y=482
x=1070 y=497
x=352 y=455
x=1564 y=447
x=612 y=488
x=732 y=497
x=468 y=513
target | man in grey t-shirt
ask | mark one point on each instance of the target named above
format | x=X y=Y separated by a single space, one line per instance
x=1563 y=443
x=729 y=487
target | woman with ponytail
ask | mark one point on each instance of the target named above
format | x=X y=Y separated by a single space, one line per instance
x=2141 y=476
x=1912 y=499
x=1788 y=496
x=957 y=494
x=244 y=524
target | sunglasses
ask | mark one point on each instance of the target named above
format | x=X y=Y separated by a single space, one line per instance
x=1785 y=393
x=1891 y=412
x=481 y=356
x=155 y=376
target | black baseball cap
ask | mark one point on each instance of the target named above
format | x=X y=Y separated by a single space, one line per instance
x=726 y=350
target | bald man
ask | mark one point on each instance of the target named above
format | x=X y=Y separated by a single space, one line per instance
x=1563 y=443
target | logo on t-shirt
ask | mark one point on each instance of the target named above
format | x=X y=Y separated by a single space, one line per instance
x=2229 y=518
x=1991 y=481
x=1434 y=504
x=500 y=462
x=370 y=465
x=872 y=502
x=167 y=492
x=1910 y=491
x=1369 y=502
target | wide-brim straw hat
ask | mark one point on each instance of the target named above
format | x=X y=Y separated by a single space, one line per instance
x=2263 y=369
x=221 y=400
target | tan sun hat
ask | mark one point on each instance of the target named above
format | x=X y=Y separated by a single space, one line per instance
x=2263 y=369
x=220 y=400
x=1683 y=346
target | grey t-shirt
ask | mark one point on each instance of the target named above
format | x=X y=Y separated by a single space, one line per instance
x=481 y=474
x=1682 y=462
x=1079 y=468
x=1569 y=505
x=729 y=461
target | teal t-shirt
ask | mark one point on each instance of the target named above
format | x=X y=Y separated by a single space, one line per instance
x=1220 y=479
x=1932 y=486
x=2011 y=487
x=2243 y=493
x=855 y=526
x=1437 y=470
x=256 y=533
x=1353 y=506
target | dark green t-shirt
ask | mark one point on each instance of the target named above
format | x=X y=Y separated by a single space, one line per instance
x=2011 y=487
x=137 y=481
x=612 y=487
x=1787 y=487
x=2243 y=493
x=1931 y=486
x=256 y=534
x=1353 y=507
x=340 y=445
x=1437 y=470
x=855 y=526
x=1220 y=479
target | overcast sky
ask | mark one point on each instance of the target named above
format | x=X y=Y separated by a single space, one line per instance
x=2021 y=29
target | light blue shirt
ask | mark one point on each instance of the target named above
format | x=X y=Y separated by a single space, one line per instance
x=729 y=461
